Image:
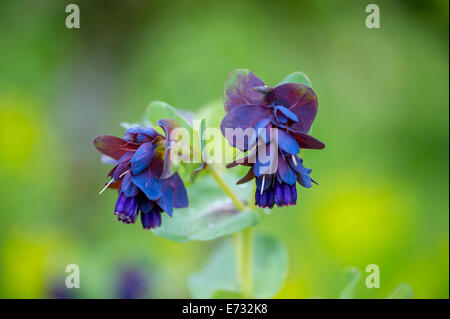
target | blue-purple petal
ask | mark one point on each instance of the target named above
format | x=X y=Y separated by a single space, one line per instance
x=180 y=198
x=142 y=138
x=243 y=117
x=287 y=143
x=263 y=200
x=145 y=205
x=166 y=201
x=262 y=130
x=302 y=172
x=142 y=158
x=120 y=203
x=300 y=99
x=151 y=219
x=279 y=194
x=286 y=112
x=126 y=209
x=281 y=119
x=156 y=219
x=257 y=197
x=128 y=188
x=270 y=198
x=120 y=170
x=149 y=184
x=294 y=194
x=268 y=179
x=287 y=194
x=267 y=162
x=278 y=123
x=304 y=180
x=297 y=165
x=285 y=171
x=143 y=130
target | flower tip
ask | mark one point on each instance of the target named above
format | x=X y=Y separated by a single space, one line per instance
x=263 y=89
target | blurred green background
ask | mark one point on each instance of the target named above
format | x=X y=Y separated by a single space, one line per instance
x=383 y=113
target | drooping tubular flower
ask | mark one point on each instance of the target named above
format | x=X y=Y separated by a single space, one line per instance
x=142 y=174
x=281 y=118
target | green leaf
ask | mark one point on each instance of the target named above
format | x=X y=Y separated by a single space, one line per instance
x=202 y=141
x=200 y=133
x=219 y=277
x=297 y=77
x=210 y=213
x=185 y=171
x=269 y=266
x=403 y=291
x=158 y=110
x=213 y=113
x=352 y=275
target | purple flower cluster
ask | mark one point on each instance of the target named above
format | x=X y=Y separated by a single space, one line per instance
x=279 y=118
x=290 y=108
x=142 y=174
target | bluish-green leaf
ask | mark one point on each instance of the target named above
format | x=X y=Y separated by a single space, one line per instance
x=210 y=213
x=217 y=276
x=158 y=110
x=269 y=266
x=297 y=77
x=201 y=144
x=213 y=114
x=403 y=291
x=352 y=276
x=219 y=279
x=200 y=133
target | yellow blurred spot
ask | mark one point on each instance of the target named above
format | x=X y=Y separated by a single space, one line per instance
x=361 y=222
x=292 y=289
x=22 y=269
x=30 y=260
x=427 y=272
x=18 y=131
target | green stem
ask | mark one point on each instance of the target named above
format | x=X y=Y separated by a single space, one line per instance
x=243 y=241
x=239 y=255
x=247 y=263
x=227 y=190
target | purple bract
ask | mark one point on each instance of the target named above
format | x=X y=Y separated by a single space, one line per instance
x=142 y=174
x=290 y=108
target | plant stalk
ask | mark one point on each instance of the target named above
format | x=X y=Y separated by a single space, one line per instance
x=247 y=263
x=243 y=241
x=227 y=190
